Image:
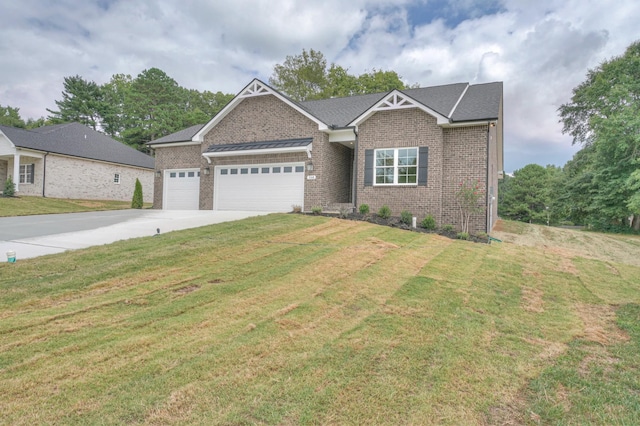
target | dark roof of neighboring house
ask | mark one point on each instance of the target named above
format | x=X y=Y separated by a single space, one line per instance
x=183 y=135
x=77 y=140
x=260 y=145
x=459 y=102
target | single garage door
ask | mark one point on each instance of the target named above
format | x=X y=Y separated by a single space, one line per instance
x=265 y=187
x=181 y=189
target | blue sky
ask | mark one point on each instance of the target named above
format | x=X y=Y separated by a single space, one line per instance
x=540 y=50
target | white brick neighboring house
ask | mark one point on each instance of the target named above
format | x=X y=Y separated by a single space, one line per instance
x=72 y=161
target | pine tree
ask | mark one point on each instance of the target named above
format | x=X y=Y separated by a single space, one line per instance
x=136 y=202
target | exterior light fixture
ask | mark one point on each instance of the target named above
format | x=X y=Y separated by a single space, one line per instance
x=158 y=173
x=310 y=167
x=206 y=170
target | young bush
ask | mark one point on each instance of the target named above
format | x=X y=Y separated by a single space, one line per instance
x=463 y=235
x=343 y=213
x=428 y=223
x=316 y=209
x=137 y=201
x=384 y=212
x=296 y=208
x=406 y=217
x=447 y=228
x=9 y=188
x=364 y=209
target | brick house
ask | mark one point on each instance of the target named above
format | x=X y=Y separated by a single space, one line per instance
x=72 y=161
x=408 y=149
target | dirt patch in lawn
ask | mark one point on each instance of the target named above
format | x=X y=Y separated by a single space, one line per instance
x=571 y=243
x=599 y=324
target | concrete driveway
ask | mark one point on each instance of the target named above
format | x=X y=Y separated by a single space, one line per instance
x=33 y=236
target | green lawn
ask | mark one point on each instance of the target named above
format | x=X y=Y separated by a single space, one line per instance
x=24 y=206
x=292 y=319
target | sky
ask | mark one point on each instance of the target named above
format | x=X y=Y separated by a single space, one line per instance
x=539 y=49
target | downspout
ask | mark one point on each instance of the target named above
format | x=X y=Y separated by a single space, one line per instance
x=487 y=222
x=355 y=172
x=44 y=174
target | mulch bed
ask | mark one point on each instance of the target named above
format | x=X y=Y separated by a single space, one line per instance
x=395 y=222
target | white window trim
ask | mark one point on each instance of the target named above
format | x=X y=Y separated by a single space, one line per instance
x=117 y=178
x=395 y=166
x=24 y=174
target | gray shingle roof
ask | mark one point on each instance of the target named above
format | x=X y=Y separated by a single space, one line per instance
x=183 y=135
x=260 y=145
x=480 y=102
x=77 y=140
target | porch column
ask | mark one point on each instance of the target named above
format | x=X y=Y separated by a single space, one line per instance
x=16 y=171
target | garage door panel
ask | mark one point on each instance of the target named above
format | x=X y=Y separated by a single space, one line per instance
x=182 y=189
x=261 y=191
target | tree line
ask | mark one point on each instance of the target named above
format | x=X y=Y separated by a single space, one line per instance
x=136 y=110
x=600 y=186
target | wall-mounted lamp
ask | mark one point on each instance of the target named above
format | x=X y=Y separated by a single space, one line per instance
x=158 y=173
x=493 y=124
x=310 y=167
x=206 y=170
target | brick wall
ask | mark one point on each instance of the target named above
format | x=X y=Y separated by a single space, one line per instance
x=264 y=118
x=76 y=178
x=397 y=129
x=3 y=174
x=465 y=159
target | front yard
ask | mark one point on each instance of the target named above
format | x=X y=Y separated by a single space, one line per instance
x=293 y=319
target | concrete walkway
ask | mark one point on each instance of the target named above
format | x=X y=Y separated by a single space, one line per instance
x=33 y=236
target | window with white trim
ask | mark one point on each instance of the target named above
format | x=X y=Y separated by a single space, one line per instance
x=116 y=178
x=26 y=173
x=396 y=166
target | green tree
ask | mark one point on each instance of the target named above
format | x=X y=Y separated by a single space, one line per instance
x=82 y=102
x=11 y=117
x=302 y=77
x=527 y=196
x=137 y=200
x=306 y=77
x=116 y=94
x=154 y=108
x=604 y=116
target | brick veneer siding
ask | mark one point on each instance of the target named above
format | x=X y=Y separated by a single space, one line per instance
x=77 y=178
x=398 y=129
x=175 y=157
x=465 y=158
x=3 y=174
x=263 y=118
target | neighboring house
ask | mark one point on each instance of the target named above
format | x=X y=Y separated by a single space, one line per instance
x=407 y=149
x=72 y=161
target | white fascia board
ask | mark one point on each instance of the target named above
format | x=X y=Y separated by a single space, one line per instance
x=253 y=89
x=342 y=135
x=170 y=144
x=396 y=100
x=286 y=150
x=30 y=152
x=471 y=123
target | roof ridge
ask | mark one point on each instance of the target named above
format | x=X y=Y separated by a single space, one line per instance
x=459 y=100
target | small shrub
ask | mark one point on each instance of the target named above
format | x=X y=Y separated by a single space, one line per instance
x=463 y=235
x=482 y=235
x=296 y=209
x=384 y=212
x=316 y=209
x=9 y=188
x=364 y=209
x=343 y=212
x=406 y=217
x=429 y=223
x=137 y=201
x=447 y=228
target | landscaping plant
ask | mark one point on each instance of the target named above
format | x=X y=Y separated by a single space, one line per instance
x=468 y=198
x=384 y=212
x=137 y=201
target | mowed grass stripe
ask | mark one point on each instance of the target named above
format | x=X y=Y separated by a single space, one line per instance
x=297 y=320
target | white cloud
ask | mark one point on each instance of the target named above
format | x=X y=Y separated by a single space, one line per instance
x=540 y=50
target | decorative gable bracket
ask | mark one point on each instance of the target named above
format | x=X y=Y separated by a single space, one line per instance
x=395 y=101
x=256 y=88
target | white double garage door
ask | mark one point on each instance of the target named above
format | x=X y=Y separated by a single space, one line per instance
x=246 y=187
